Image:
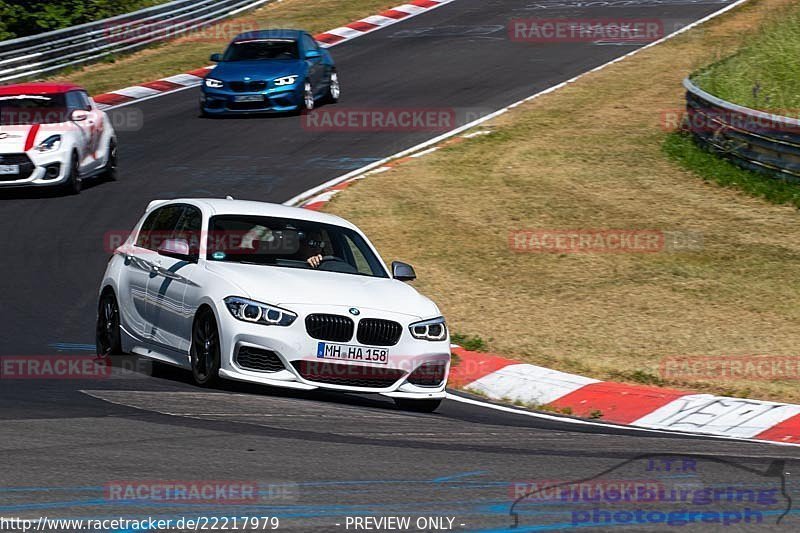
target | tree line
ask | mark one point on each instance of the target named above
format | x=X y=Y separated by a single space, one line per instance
x=29 y=17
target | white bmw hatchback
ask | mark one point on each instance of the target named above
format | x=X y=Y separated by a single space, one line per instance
x=275 y=295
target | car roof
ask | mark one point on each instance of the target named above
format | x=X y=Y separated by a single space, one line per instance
x=223 y=206
x=270 y=34
x=38 y=88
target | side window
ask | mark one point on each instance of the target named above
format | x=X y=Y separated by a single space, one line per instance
x=85 y=102
x=189 y=227
x=74 y=101
x=309 y=43
x=159 y=226
x=356 y=256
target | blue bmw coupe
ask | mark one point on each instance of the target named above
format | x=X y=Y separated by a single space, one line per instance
x=270 y=71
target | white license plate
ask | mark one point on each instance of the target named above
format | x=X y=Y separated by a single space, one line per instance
x=9 y=169
x=350 y=352
x=249 y=98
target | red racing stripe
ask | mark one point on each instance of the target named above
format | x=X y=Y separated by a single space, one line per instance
x=360 y=25
x=31 y=138
x=472 y=366
x=616 y=402
x=786 y=431
x=424 y=3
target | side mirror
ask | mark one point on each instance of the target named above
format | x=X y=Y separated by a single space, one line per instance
x=313 y=54
x=216 y=58
x=177 y=249
x=78 y=115
x=403 y=271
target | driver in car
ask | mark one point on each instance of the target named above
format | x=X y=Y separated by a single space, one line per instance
x=314 y=246
x=311 y=246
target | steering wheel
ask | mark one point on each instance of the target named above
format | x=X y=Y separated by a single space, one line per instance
x=336 y=264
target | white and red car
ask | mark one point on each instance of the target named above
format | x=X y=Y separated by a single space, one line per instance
x=53 y=134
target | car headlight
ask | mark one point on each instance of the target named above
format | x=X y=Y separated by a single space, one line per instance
x=51 y=143
x=429 y=330
x=214 y=84
x=286 y=80
x=259 y=313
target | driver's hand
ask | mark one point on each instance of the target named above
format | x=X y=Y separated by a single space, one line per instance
x=314 y=260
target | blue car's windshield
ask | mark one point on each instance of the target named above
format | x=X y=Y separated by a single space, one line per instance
x=257 y=49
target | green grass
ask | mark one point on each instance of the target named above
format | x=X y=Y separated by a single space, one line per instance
x=681 y=148
x=472 y=344
x=765 y=72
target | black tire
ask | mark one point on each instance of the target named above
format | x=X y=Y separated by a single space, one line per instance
x=334 y=89
x=108 y=339
x=205 y=350
x=110 y=171
x=418 y=406
x=74 y=183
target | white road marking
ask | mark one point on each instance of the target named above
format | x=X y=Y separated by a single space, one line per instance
x=580 y=422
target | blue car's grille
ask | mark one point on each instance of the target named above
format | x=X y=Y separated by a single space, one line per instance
x=248 y=86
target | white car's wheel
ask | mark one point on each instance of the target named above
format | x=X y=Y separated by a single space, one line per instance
x=108 y=338
x=74 y=183
x=110 y=170
x=205 y=351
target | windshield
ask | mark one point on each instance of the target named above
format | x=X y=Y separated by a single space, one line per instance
x=290 y=243
x=23 y=109
x=258 y=49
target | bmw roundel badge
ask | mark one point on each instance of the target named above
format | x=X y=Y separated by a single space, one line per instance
x=354 y=311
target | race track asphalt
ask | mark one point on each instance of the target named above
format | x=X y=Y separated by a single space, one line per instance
x=63 y=441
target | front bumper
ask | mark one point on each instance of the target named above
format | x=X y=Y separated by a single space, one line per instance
x=272 y=100
x=301 y=368
x=36 y=169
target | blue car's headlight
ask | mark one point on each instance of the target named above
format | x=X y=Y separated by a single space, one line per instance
x=285 y=80
x=214 y=84
x=259 y=313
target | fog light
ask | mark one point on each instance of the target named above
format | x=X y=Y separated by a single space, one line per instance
x=52 y=171
x=428 y=375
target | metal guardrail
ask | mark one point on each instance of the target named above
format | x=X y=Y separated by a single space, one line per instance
x=755 y=140
x=27 y=57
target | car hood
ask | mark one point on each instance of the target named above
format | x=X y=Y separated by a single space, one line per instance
x=12 y=138
x=286 y=286
x=257 y=70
